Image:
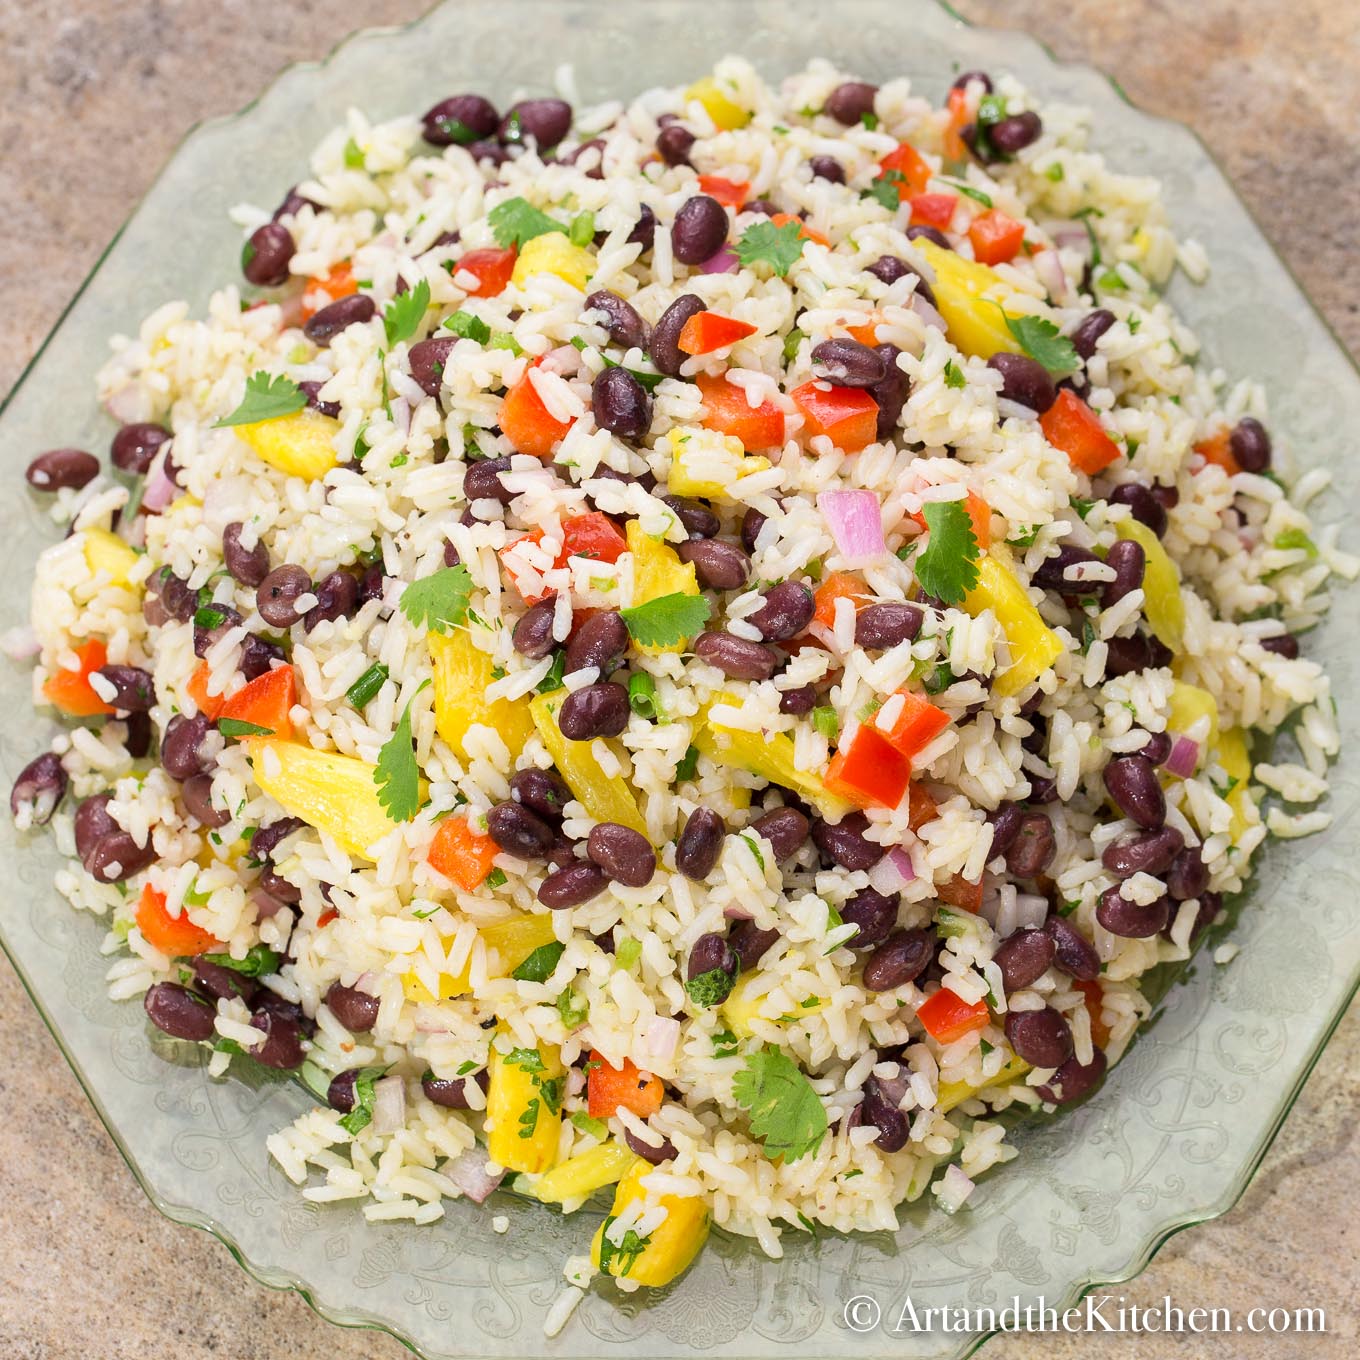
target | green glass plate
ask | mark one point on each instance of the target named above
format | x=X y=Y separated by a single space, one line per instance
x=1173 y=1136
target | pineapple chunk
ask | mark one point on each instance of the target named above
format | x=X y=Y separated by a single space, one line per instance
x=511 y=942
x=748 y=996
x=1231 y=753
x=1190 y=704
x=952 y=1093
x=706 y=464
x=964 y=293
x=671 y=1247
x=300 y=445
x=107 y=554
x=581 y=1176
x=553 y=253
x=657 y=571
x=725 y=112
x=1163 y=605
x=1034 y=646
x=462 y=671
x=524 y=1108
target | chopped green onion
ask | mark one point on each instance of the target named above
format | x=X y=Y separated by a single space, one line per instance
x=367 y=685
x=642 y=694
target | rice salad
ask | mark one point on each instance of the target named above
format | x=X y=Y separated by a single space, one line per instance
x=691 y=651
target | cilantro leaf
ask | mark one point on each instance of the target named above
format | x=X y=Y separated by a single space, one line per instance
x=517 y=220
x=785 y=1111
x=1294 y=539
x=238 y=727
x=438 y=602
x=953 y=375
x=538 y=967
x=361 y=1116
x=266 y=398
x=259 y=961
x=947 y=567
x=619 y=1260
x=526 y=1059
x=1039 y=338
x=397 y=775
x=573 y=1011
x=710 y=988
x=687 y=765
x=596 y=1128
x=968 y=191
x=765 y=243
x=467 y=326
x=666 y=620
x=405 y=312
x=884 y=190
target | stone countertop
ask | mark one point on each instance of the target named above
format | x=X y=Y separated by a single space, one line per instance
x=97 y=97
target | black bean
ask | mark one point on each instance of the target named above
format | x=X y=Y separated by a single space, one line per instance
x=1187 y=876
x=271 y=1003
x=752 y=522
x=1042 y=1038
x=880 y=626
x=600 y=641
x=655 y=1155
x=547 y=121
x=710 y=952
x=268 y=838
x=718 y=565
x=134 y=447
x=573 y=885
x=542 y=791
x=891 y=393
x=698 y=520
x=626 y=328
x=900 y=959
x=699 y=844
x=1250 y=445
x=1051 y=572
x=1143 y=852
x=844 y=842
x=699 y=229
x=621 y=404
x=179 y=1012
x=518 y=831
x=342 y=1094
x=847 y=363
x=322 y=327
x=920 y=232
x=598 y=710
x=312 y=391
x=589 y=154
x=1024 y=957
x=40 y=787
x=459 y=120
x=1157 y=748
x=644 y=233
x=1128 y=655
x=1143 y=505
x=482 y=481
x=1034 y=847
x=265 y=256
x=58 y=468
x=117 y=856
x=282 y=1047
x=798 y=701
x=181 y=747
x=879 y=1109
x=750 y=942
x=93 y=822
x=1129 y=561
x=355 y=1009
x=1006 y=823
x=622 y=853
x=258 y=656
x=223 y=984
x=1074 y=953
x=1131 y=782
x=278 y=593
x=1282 y=644
x=196 y=795
x=874 y=913
x=249 y=567
x=850 y=101
x=293 y=203
x=279 y=888
x=1073 y=1080
x=737 y=658
x=968 y=77
x=533 y=633
x=1009 y=135
x=787 y=610
x=785 y=828
x=827 y=168
x=674 y=143
x=1087 y=335
x=1131 y=920
x=427 y=359
x=664 y=345
x=337 y=597
x=224 y=618
x=889 y=268
x=1025 y=381
x=1210 y=904
x=452 y=1093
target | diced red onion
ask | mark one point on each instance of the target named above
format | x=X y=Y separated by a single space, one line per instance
x=1184 y=757
x=723 y=261
x=1031 y=911
x=469 y=1173
x=265 y=904
x=926 y=312
x=160 y=490
x=20 y=644
x=736 y=914
x=389 y=1105
x=401 y=414
x=1073 y=236
x=128 y=405
x=1048 y=266
x=893 y=872
x=953 y=1189
x=564 y=360
x=856 y=523
x=660 y=1038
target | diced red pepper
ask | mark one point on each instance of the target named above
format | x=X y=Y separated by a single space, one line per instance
x=706 y=331
x=209 y=705
x=71 y=691
x=848 y=416
x=727 y=411
x=978 y=511
x=324 y=289
x=948 y=1018
x=1094 y=994
x=869 y=772
x=1070 y=425
x=908 y=163
x=327 y=916
x=955 y=148
x=838 y=585
x=962 y=893
x=611 y=1089
x=464 y=856
x=267 y=701
x=916 y=726
x=933 y=210
x=921 y=807
x=996 y=238
x=866 y=332
x=491 y=268
x=592 y=535
x=731 y=193
x=526 y=422
x=175 y=936
x=805 y=232
x=1217 y=449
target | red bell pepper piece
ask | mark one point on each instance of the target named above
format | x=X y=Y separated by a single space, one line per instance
x=866 y=332
x=911 y=166
x=492 y=269
x=590 y=535
x=175 y=936
x=464 y=856
x=71 y=691
x=1217 y=449
x=868 y=771
x=526 y=422
x=916 y=726
x=611 y=1089
x=805 y=232
x=322 y=290
x=955 y=148
x=727 y=411
x=267 y=702
x=1094 y=994
x=948 y=1018
x=705 y=332
x=996 y=238
x=837 y=585
x=848 y=416
x=209 y=705
x=731 y=193
x=962 y=893
x=933 y=210
x=978 y=511
x=1070 y=425
x=921 y=807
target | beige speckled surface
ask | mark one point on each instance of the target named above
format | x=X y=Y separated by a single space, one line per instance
x=94 y=94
